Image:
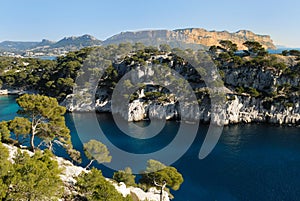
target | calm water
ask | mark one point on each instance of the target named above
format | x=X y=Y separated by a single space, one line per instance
x=250 y=162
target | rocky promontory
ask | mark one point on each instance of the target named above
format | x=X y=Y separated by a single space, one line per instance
x=257 y=89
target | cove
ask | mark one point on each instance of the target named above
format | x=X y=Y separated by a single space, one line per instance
x=250 y=161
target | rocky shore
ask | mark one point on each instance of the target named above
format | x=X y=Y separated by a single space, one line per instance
x=272 y=96
x=4 y=92
x=239 y=109
x=71 y=171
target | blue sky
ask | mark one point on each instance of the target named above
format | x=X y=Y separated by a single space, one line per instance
x=33 y=20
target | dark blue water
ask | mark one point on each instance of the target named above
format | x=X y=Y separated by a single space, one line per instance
x=250 y=162
x=279 y=50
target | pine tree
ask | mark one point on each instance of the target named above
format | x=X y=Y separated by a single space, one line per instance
x=125 y=176
x=96 y=151
x=4 y=131
x=95 y=187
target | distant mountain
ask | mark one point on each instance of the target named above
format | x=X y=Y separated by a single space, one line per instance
x=45 y=42
x=17 y=45
x=191 y=36
x=68 y=43
x=81 y=41
x=194 y=38
x=153 y=38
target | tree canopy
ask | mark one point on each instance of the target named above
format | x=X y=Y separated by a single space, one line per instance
x=158 y=172
x=165 y=48
x=4 y=131
x=42 y=120
x=29 y=177
x=46 y=119
x=95 y=187
x=228 y=46
x=255 y=48
x=96 y=150
x=20 y=126
x=125 y=176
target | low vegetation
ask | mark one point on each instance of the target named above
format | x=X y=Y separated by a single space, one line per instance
x=29 y=177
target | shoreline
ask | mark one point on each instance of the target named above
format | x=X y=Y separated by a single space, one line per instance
x=14 y=92
x=8 y=92
x=191 y=122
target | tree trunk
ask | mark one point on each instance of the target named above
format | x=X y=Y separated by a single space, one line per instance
x=90 y=163
x=162 y=186
x=161 y=194
x=32 y=142
x=50 y=146
x=33 y=127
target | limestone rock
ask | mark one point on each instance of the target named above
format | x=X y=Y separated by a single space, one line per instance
x=136 y=111
x=196 y=36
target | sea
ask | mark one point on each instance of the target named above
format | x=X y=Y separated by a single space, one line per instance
x=251 y=162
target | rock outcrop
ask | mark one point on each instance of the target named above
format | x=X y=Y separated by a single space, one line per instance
x=247 y=109
x=270 y=104
x=240 y=109
x=153 y=194
x=209 y=38
x=196 y=36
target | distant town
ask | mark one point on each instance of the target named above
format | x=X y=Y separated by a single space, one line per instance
x=37 y=54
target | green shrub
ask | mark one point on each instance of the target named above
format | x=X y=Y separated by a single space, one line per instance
x=93 y=186
x=125 y=176
x=253 y=92
x=240 y=89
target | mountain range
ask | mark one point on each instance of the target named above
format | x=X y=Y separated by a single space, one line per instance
x=194 y=38
x=72 y=42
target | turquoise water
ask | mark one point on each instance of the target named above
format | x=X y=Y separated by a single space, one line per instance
x=8 y=107
x=250 y=162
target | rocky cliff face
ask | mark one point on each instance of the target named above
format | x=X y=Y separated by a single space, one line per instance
x=239 y=109
x=191 y=36
x=209 y=38
x=279 y=108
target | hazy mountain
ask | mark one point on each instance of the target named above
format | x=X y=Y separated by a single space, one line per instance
x=81 y=41
x=17 y=45
x=67 y=43
x=45 y=42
